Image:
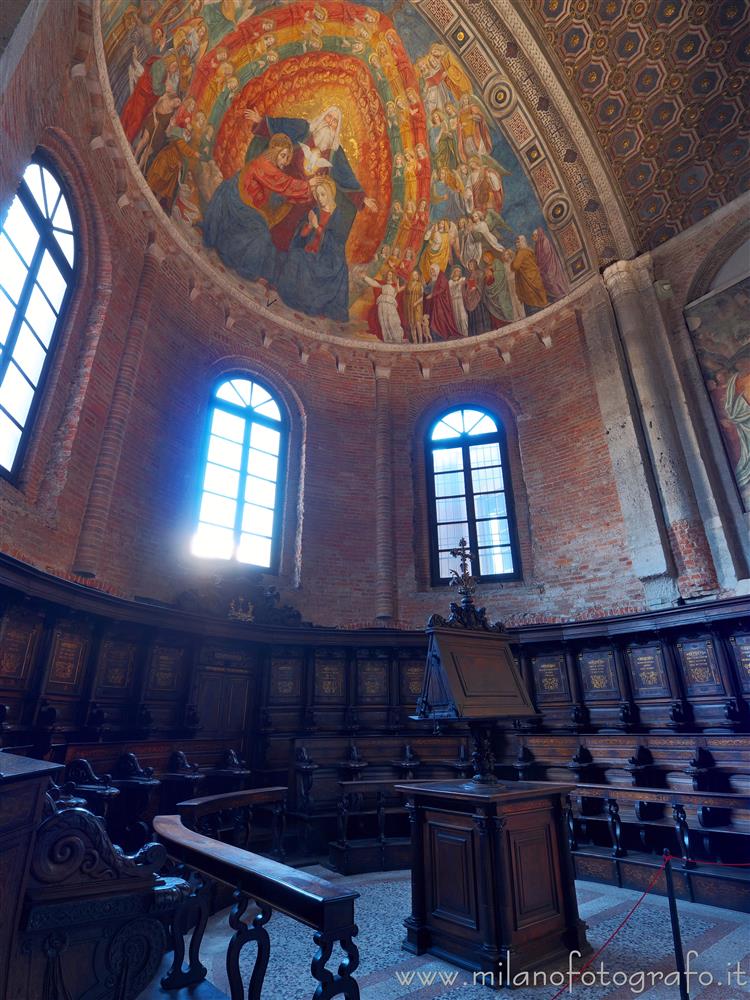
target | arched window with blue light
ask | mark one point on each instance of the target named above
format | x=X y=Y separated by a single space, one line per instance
x=239 y=517
x=470 y=495
x=37 y=275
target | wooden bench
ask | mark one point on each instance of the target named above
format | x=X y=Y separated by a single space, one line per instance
x=615 y=831
x=364 y=852
x=320 y=905
x=231 y=816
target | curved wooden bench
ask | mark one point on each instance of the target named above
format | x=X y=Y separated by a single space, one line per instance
x=326 y=908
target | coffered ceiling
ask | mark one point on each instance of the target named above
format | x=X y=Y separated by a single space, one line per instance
x=664 y=86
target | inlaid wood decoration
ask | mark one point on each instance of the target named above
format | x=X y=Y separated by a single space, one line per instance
x=740 y=646
x=343 y=159
x=701 y=670
x=412 y=675
x=67 y=661
x=599 y=675
x=330 y=679
x=286 y=680
x=550 y=679
x=166 y=669
x=19 y=635
x=372 y=682
x=647 y=672
x=116 y=665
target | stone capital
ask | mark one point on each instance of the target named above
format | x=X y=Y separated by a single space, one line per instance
x=627 y=276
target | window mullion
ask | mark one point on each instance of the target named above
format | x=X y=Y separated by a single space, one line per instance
x=23 y=304
x=471 y=517
x=244 y=462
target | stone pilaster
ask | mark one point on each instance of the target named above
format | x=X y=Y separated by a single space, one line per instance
x=96 y=516
x=630 y=286
x=647 y=537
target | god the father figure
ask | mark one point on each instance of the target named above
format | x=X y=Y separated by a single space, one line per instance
x=317 y=150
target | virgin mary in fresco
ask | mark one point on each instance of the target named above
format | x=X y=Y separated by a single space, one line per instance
x=244 y=207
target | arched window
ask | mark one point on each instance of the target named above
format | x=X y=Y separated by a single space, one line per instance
x=37 y=271
x=240 y=506
x=470 y=495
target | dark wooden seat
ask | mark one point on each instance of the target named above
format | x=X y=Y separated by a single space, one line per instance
x=369 y=850
x=614 y=831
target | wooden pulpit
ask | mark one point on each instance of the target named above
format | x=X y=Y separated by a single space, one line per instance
x=492 y=880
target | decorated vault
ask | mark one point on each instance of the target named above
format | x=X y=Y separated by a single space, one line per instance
x=338 y=158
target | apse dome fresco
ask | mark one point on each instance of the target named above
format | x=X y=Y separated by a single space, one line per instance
x=336 y=157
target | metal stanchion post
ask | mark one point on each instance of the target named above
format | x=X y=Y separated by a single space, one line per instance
x=675 y=920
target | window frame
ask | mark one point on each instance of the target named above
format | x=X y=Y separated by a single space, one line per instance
x=245 y=413
x=47 y=242
x=465 y=442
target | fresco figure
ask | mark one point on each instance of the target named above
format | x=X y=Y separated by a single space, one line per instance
x=439 y=305
x=479 y=318
x=317 y=150
x=391 y=327
x=242 y=209
x=416 y=322
x=529 y=284
x=518 y=307
x=313 y=276
x=164 y=174
x=496 y=292
x=738 y=410
x=550 y=267
x=457 y=284
x=437 y=248
x=486 y=185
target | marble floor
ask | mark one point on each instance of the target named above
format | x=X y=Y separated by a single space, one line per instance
x=639 y=962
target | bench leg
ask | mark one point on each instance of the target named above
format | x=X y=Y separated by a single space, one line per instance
x=243 y=933
x=193 y=912
x=343 y=983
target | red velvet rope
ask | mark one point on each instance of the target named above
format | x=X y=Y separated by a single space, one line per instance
x=667 y=857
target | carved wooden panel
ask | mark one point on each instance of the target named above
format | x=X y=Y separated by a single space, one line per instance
x=648 y=672
x=116 y=667
x=167 y=668
x=208 y=697
x=536 y=892
x=599 y=676
x=550 y=678
x=700 y=668
x=236 y=704
x=285 y=684
x=67 y=661
x=224 y=654
x=330 y=677
x=412 y=675
x=740 y=646
x=222 y=700
x=372 y=682
x=19 y=636
x=452 y=892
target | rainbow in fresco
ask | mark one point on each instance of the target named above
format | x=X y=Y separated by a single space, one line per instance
x=335 y=155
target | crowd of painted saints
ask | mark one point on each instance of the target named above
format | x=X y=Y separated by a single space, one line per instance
x=449 y=265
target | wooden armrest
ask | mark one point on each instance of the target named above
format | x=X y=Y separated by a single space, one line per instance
x=313 y=901
x=193 y=809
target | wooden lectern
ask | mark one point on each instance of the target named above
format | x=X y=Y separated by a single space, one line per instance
x=492 y=880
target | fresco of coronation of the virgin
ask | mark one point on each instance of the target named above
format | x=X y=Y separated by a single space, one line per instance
x=336 y=157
